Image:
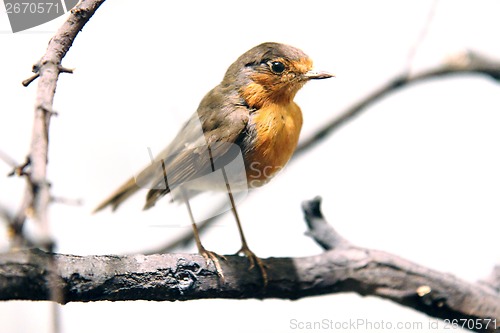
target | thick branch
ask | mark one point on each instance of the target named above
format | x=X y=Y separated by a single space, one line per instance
x=169 y=277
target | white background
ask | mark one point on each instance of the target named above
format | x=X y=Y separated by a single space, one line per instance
x=417 y=174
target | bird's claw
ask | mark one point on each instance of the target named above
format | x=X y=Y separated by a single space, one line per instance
x=254 y=260
x=214 y=258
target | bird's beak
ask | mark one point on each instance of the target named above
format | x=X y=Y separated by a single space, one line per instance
x=314 y=75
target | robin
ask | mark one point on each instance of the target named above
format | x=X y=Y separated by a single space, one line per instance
x=252 y=109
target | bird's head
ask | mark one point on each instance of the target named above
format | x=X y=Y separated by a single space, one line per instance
x=271 y=73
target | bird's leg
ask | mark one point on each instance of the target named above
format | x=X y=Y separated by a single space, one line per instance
x=208 y=255
x=244 y=246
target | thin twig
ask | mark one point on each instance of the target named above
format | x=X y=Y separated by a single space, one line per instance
x=473 y=63
x=322 y=232
x=32 y=78
x=7 y=159
x=422 y=35
x=20 y=170
x=37 y=198
x=37 y=195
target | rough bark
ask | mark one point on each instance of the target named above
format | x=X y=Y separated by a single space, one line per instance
x=27 y=274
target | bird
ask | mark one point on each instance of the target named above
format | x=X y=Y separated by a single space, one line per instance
x=251 y=114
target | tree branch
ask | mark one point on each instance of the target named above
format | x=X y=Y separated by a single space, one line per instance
x=468 y=62
x=169 y=277
x=36 y=198
x=37 y=194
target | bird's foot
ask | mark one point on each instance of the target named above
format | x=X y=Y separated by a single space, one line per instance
x=254 y=260
x=214 y=258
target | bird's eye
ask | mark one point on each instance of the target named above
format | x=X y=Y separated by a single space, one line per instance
x=277 y=67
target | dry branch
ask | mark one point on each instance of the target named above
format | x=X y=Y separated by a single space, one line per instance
x=37 y=194
x=37 y=197
x=170 y=277
x=465 y=63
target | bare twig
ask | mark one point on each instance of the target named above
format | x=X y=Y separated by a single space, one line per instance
x=323 y=233
x=20 y=169
x=37 y=195
x=464 y=63
x=32 y=78
x=37 y=198
x=172 y=277
x=7 y=159
x=421 y=37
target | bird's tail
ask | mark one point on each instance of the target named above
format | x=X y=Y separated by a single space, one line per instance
x=119 y=196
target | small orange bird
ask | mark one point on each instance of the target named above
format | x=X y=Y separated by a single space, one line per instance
x=253 y=110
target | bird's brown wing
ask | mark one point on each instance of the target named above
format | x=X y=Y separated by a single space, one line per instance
x=220 y=120
x=209 y=139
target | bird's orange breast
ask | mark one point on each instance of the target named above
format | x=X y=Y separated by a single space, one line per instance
x=277 y=128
